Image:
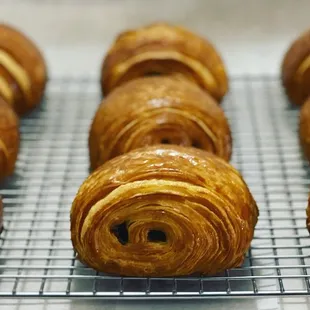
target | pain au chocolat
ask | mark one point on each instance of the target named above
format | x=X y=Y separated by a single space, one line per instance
x=22 y=70
x=161 y=49
x=163 y=211
x=9 y=139
x=158 y=110
x=296 y=69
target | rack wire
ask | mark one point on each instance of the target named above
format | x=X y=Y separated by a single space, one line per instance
x=36 y=255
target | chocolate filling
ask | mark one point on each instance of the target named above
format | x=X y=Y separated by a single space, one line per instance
x=156 y=236
x=121 y=232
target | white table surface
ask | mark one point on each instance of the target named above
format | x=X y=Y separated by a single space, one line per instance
x=251 y=36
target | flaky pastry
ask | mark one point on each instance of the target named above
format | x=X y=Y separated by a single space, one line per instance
x=155 y=110
x=22 y=70
x=296 y=69
x=161 y=49
x=163 y=211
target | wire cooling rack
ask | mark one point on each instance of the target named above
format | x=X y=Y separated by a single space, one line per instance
x=36 y=256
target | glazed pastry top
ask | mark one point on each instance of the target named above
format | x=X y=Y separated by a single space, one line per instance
x=156 y=110
x=199 y=206
x=296 y=69
x=162 y=48
x=22 y=70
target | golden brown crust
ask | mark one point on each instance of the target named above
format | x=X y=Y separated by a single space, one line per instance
x=156 y=110
x=162 y=48
x=9 y=139
x=296 y=71
x=163 y=211
x=22 y=70
x=304 y=128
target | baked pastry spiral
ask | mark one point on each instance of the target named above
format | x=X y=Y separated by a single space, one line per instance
x=22 y=70
x=160 y=49
x=304 y=128
x=163 y=211
x=155 y=110
x=9 y=139
x=296 y=69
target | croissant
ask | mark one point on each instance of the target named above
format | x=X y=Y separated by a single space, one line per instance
x=163 y=211
x=22 y=70
x=160 y=49
x=9 y=139
x=296 y=69
x=155 y=110
x=304 y=128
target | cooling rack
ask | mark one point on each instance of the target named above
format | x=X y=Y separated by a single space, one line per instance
x=36 y=256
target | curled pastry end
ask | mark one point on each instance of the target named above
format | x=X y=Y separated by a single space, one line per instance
x=23 y=71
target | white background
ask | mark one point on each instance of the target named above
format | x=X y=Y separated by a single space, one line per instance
x=251 y=35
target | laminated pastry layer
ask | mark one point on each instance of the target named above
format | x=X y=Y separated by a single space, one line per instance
x=163 y=211
x=158 y=110
x=23 y=71
x=164 y=49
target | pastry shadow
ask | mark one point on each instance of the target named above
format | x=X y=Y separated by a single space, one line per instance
x=291 y=115
x=292 y=119
x=42 y=106
x=11 y=188
x=307 y=172
x=3 y=262
x=35 y=122
x=11 y=194
x=173 y=303
x=88 y=281
x=232 y=280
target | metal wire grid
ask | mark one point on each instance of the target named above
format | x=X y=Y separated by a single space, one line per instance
x=36 y=256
